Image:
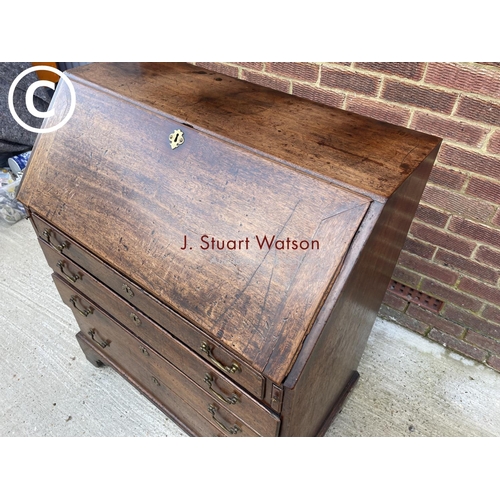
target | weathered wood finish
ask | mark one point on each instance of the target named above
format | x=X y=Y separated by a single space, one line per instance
x=334 y=349
x=139 y=217
x=286 y=328
x=246 y=407
x=76 y=259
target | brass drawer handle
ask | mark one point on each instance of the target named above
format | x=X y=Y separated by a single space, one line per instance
x=84 y=312
x=209 y=380
x=93 y=333
x=69 y=277
x=232 y=430
x=208 y=351
x=59 y=248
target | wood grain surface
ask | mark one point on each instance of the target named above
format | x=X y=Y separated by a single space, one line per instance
x=365 y=154
x=111 y=180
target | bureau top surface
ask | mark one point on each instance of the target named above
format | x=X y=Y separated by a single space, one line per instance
x=368 y=155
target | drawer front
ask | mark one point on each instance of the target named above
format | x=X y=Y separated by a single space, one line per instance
x=213 y=381
x=57 y=246
x=160 y=395
x=129 y=353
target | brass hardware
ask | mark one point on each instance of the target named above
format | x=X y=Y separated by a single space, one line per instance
x=127 y=290
x=93 y=333
x=176 y=138
x=144 y=351
x=232 y=430
x=59 y=248
x=208 y=351
x=209 y=380
x=155 y=381
x=84 y=312
x=135 y=319
x=69 y=277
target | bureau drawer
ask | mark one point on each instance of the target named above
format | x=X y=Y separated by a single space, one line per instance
x=148 y=370
x=217 y=384
x=164 y=398
x=106 y=335
x=57 y=247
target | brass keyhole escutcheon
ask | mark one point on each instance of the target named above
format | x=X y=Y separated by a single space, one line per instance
x=176 y=138
x=135 y=319
x=128 y=290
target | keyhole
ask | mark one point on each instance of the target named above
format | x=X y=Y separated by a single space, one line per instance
x=176 y=137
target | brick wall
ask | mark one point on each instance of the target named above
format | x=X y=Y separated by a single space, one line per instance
x=452 y=252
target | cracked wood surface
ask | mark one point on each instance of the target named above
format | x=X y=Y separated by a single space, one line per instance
x=123 y=193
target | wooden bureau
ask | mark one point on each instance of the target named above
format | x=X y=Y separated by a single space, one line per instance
x=225 y=247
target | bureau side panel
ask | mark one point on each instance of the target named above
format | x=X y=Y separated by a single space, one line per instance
x=328 y=360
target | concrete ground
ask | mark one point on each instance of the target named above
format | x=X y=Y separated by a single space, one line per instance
x=409 y=386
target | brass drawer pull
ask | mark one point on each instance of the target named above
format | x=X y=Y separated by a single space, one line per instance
x=232 y=430
x=84 y=312
x=93 y=333
x=208 y=351
x=59 y=248
x=209 y=380
x=69 y=277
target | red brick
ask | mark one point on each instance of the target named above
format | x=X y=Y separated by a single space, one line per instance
x=475 y=231
x=458 y=345
x=494 y=144
x=489 y=293
x=351 y=81
x=473 y=79
x=403 y=320
x=411 y=70
x=258 y=66
x=419 y=248
x=442 y=239
x=458 y=204
x=407 y=277
x=307 y=72
x=431 y=216
x=395 y=302
x=468 y=160
x=467 y=266
x=492 y=313
x=225 y=69
x=448 y=128
x=494 y=362
x=434 y=320
x=479 y=111
x=323 y=96
x=496 y=219
x=427 y=268
x=488 y=256
x=446 y=177
x=448 y=294
x=484 y=189
x=472 y=321
x=266 y=80
x=384 y=112
x=482 y=341
x=416 y=95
